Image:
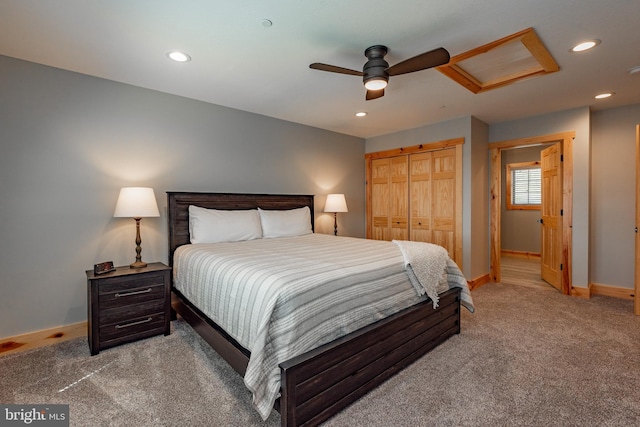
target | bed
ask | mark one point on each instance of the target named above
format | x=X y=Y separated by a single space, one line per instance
x=322 y=380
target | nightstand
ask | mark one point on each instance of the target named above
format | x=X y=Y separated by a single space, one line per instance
x=128 y=304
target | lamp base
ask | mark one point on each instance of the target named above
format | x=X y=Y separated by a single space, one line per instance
x=138 y=264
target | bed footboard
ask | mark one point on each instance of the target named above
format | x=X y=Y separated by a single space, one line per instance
x=322 y=382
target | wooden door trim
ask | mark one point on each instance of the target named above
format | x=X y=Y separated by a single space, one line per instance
x=495 y=151
x=433 y=146
x=636 y=296
x=534 y=140
x=458 y=242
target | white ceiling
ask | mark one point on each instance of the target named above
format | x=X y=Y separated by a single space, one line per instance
x=239 y=63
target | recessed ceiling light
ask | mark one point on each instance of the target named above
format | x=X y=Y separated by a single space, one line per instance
x=635 y=70
x=178 y=56
x=267 y=23
x=586 y=45
x=604 y=95
x=361 y=114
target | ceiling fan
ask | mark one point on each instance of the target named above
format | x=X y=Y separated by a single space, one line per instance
x=376 y=71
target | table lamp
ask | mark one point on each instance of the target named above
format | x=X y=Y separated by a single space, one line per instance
x=335 y=203
x=136 y=203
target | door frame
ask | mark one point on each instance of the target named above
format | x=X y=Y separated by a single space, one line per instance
x=636 y=294
x=495 y=152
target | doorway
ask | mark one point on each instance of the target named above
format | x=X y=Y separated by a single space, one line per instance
x=564 y=234
x=523 y=271
x=521 y=215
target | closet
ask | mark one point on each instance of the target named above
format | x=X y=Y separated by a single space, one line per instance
x=415 y=193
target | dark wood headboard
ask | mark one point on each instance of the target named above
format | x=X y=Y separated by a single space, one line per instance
x=178 y=209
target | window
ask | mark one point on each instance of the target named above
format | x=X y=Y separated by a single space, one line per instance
x=524 y=185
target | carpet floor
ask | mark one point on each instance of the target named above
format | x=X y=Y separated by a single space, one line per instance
x=527 y=357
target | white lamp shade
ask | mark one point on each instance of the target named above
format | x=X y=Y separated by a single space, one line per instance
x=136 y=202
x=335 y=203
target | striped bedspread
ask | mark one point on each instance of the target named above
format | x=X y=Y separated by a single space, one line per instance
x=282 y=297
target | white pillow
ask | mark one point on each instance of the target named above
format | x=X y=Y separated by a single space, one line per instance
x=214 y=226
x=289 y=223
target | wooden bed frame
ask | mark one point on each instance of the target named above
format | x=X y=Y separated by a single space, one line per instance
x=318 y=384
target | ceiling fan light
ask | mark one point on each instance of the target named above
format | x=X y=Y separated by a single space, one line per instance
x=376 y=84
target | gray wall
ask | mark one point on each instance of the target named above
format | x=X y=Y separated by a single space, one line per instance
x=577 y=120
x=70 y=142
x=519 y=229
x=478 y=200
x=613 y=195
x=603 y=185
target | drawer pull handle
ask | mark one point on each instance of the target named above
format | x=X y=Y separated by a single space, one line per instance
x=128 y=294
x=139 y=322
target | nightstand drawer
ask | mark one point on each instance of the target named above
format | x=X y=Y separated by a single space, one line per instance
x=152 y=324
x=115 y=284
x=126 y=312
x=129 y=295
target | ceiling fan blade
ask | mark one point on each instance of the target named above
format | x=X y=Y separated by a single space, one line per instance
x=430 y=59
x=374 y=94
x=334 y=69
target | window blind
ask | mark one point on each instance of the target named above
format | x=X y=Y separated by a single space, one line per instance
x=526 y=186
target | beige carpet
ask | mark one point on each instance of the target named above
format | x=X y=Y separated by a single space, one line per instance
x=526 y=357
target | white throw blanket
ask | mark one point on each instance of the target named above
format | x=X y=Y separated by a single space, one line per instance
x=425 y=264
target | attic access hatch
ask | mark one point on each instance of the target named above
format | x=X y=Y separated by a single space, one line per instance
x=502 y=62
